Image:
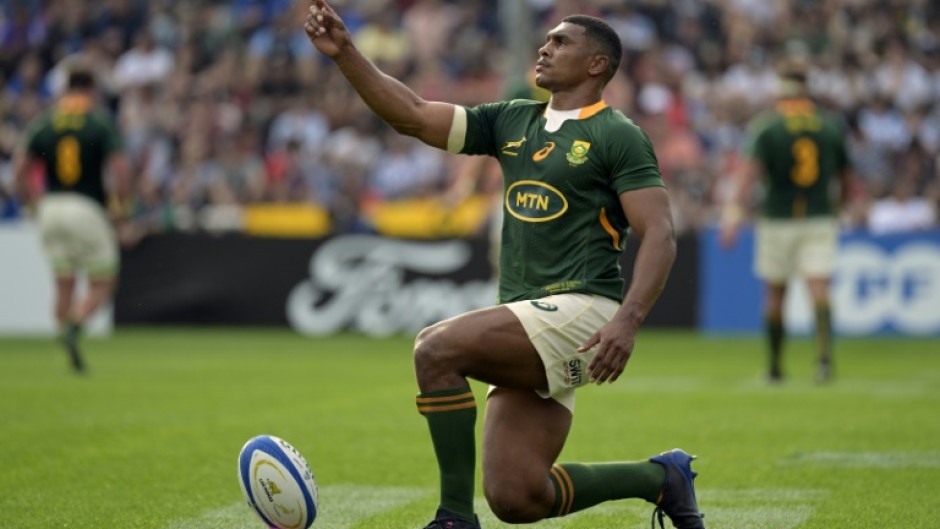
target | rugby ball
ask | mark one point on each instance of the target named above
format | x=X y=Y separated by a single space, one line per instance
x=277 y=483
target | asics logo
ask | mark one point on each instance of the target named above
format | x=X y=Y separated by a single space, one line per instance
x=543 y=152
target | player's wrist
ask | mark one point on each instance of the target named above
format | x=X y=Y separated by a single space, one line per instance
x=732 y=215
x=119 y=208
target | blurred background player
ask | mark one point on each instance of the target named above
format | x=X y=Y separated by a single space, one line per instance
x=76 y=145
x=800 y=151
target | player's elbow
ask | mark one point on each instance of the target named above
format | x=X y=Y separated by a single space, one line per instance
x=428 y=122
x=661 y=234
x=407 y=118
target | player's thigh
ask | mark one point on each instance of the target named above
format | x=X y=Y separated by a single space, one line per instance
x=773 y=250
x=488 y=344
x=54 y=222
x=816 y=254
x=98 y=241
x=558 y=325
x=523 y=434
x=76 y=233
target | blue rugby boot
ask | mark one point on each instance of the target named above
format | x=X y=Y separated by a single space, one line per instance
x=677 y=500
x=445 y=519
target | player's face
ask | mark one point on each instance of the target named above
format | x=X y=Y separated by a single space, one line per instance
x=564 y=59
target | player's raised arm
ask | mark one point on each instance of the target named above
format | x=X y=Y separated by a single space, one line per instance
x=391 y=100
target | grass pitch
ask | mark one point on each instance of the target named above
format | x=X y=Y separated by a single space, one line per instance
x=149 y=438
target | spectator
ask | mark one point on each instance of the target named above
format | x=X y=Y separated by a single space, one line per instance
x=145 y=63
x=301 y=121
x=407 y=168
x=702 y=66
x=901 y=211
x=282 y=40
x=382 y=39
x=29 y=79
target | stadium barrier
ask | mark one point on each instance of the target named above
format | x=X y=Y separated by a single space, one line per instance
x=26 y=286
x=888 y=284
x=364 y=283
x=380 y=285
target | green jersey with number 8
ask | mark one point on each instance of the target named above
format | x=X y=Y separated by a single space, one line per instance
x=74 y=142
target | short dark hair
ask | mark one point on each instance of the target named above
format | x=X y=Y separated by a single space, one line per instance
x=80 y=79
x=794 y=70
x=793 y=77
x=603 y=36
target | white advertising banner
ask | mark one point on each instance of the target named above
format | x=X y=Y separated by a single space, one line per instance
x=26 y=286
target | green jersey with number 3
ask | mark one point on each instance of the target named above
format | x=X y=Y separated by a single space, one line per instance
x=564 y=228
x=801 y=151
x=74 y=142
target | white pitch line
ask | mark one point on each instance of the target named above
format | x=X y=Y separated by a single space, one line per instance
x=341 y=507
x=346 y=506
x=865 y=459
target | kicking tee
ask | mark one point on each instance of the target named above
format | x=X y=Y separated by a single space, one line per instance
x=564 y=229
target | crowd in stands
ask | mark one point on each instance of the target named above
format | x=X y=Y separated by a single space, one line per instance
x=224 y=103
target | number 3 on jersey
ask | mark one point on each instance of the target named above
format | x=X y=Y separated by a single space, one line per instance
x=68 y=161
x=805 y=170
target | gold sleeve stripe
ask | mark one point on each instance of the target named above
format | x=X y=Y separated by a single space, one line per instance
x=451 y=407
x=567 y=489
x=609 y=229
x=458 y=130
x=447 y=398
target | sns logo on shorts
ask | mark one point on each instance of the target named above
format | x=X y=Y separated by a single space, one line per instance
x=541 y=305
x=574 y=372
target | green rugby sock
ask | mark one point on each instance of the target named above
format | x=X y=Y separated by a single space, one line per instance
x=579 y=486
x=824 y=332
x=451 y=416
x=775 y=341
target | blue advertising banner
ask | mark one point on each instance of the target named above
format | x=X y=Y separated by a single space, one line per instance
x=887 y=284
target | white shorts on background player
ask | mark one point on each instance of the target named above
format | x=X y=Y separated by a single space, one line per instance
x=795 y=247
x=77 y=235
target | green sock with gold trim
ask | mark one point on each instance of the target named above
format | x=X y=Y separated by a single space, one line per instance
x=824 y=332
x=579 y=486
x=775 y=336
x=451 y=416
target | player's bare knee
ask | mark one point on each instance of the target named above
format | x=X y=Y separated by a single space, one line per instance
x=432 y=351
x=515 y=502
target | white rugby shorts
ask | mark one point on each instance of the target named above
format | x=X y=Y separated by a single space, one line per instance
x=784 y=248
x=557 y=325
x=77 y=235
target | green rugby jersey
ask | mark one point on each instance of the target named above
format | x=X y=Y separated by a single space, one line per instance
x=801 y=151
x=564 y=228
x=74 y=141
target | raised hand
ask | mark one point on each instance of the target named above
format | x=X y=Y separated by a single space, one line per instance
x=326 y=29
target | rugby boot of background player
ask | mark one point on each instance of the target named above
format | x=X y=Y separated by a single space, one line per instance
x=824 y=371
x=70 y=341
